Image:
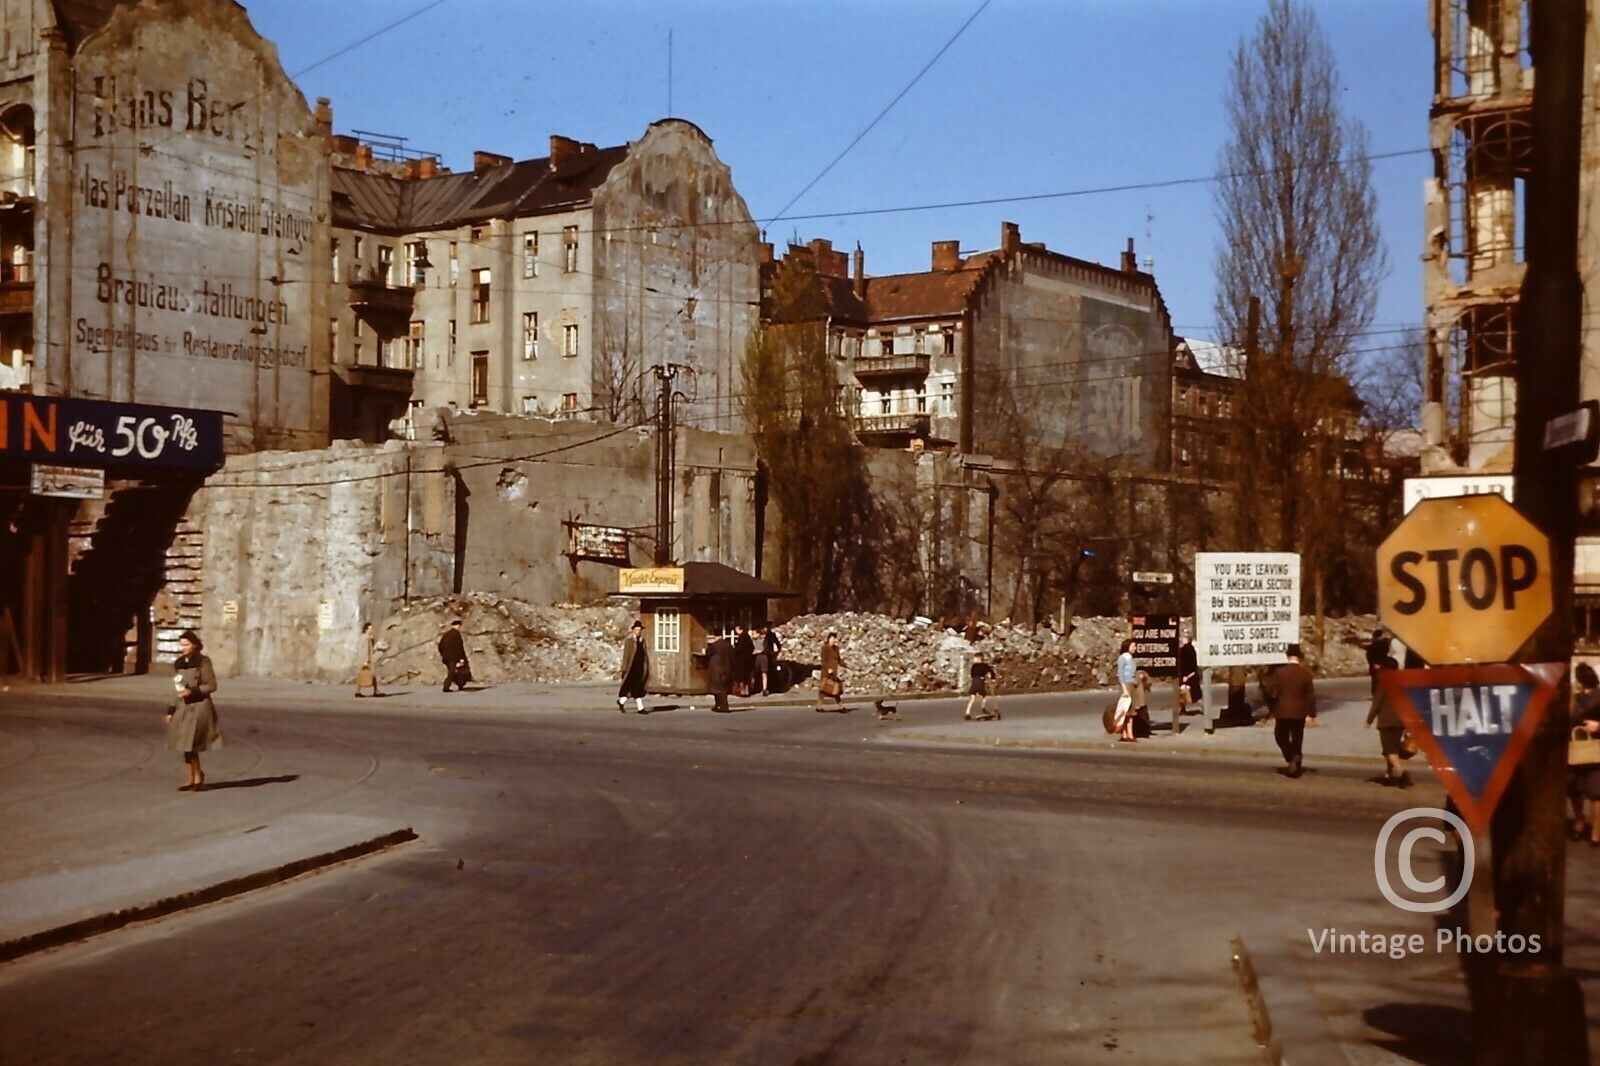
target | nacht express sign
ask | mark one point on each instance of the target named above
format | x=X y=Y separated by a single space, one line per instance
x=1246 y=607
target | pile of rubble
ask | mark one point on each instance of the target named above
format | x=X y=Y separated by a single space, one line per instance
x=512 y=640
x=887 y=655
x=507 y=640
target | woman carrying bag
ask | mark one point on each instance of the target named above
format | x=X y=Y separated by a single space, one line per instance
x=192 y=725
x=1391 y=731
x=1583 y=778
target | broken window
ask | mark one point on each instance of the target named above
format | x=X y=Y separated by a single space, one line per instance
x=530 y=335
x=530 y=255
x=569 y=240
x=480 y=378
x=480 y=295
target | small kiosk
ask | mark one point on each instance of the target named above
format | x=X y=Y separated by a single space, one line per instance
x=681 y=606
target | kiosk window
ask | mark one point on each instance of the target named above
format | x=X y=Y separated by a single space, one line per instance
x=667 y=632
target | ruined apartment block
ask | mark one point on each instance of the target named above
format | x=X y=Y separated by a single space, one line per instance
x=1474 y=262
x=1482 y=140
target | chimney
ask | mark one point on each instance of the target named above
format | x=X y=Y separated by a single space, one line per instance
x=564 y=148
x=482 y=161
x=324 y=115
x=947 y=255
x=1010 y=237
x=766 y=252
x=1130 y=262
x=860 y=272
x=363 y=157
x=427 y=166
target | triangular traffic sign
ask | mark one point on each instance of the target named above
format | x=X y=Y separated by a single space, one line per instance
x=1474 y=723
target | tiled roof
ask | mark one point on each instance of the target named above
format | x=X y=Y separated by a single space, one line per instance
x=934 y=293
x=366 y=200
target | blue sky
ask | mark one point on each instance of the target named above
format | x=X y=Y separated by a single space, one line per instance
x=1035 y=98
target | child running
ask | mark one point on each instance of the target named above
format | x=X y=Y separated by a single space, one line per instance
x=983 y=676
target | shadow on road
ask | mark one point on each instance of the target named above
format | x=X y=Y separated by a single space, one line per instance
x=1425 y=1033
x=250 y=782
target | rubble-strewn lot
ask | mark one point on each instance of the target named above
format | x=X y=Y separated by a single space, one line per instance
x=509 y=640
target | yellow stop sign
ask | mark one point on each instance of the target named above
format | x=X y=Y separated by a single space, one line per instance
x=1464 y=579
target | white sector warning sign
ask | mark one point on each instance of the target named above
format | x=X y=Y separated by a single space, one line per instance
x=1246 y=607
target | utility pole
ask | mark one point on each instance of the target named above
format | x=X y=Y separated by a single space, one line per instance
x=665 y=451
x=1529 y=1008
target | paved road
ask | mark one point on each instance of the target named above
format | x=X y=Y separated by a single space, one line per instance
x=598 y=888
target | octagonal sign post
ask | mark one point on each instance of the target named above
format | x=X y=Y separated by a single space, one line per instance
x=1464 y=579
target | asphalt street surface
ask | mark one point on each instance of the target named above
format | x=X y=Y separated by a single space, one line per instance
x=774 y=886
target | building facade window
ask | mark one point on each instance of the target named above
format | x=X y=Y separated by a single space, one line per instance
x=530 y=255
x=416 y=263
x=949 y=341
x=417 y=352
x=333 y=256
x=569 y=241
x=530 y=334
x=480 y=378
x=530 y=405
x=569 y=341
x=947 y=397
x=569 y=404
x=480 y=295
x=455 y=265
x=450 y=351
x=668 y=632
x=357 y=343
x=386 y=264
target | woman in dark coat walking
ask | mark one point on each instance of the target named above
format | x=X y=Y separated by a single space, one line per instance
x=1391 y=730
x=635 y=670
x=744 y=660
x=192 y=725
x=1583 y=782
x=719 y=672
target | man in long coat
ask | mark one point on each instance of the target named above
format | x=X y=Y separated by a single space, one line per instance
x=719 y=672
x=635 y=670
x=1293 y=698
x=453 y=653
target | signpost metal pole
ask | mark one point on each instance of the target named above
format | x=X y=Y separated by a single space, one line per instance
x=1531 y=1009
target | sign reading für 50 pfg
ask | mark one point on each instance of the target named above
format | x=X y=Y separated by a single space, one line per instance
x=1464 y=579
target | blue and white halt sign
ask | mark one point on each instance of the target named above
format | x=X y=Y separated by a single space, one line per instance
x=1474 y=724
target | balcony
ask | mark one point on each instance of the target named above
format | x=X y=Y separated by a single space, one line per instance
x=912 y=364
x=16 y=297
x=384 y=379
x=370 y=294
x=902 y=424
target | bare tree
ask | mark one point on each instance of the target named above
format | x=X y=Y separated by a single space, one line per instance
x=1054 y=503
x=618 y=382
x=1299 y=240
x=793 y=404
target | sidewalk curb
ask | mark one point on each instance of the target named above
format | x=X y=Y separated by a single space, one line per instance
x=105 y=923
x=1111 y=745
x=1244 y=968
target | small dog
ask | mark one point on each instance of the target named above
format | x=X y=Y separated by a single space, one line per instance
x=886 y=710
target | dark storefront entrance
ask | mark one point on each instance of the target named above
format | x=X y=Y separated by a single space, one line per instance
x=59 y=614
